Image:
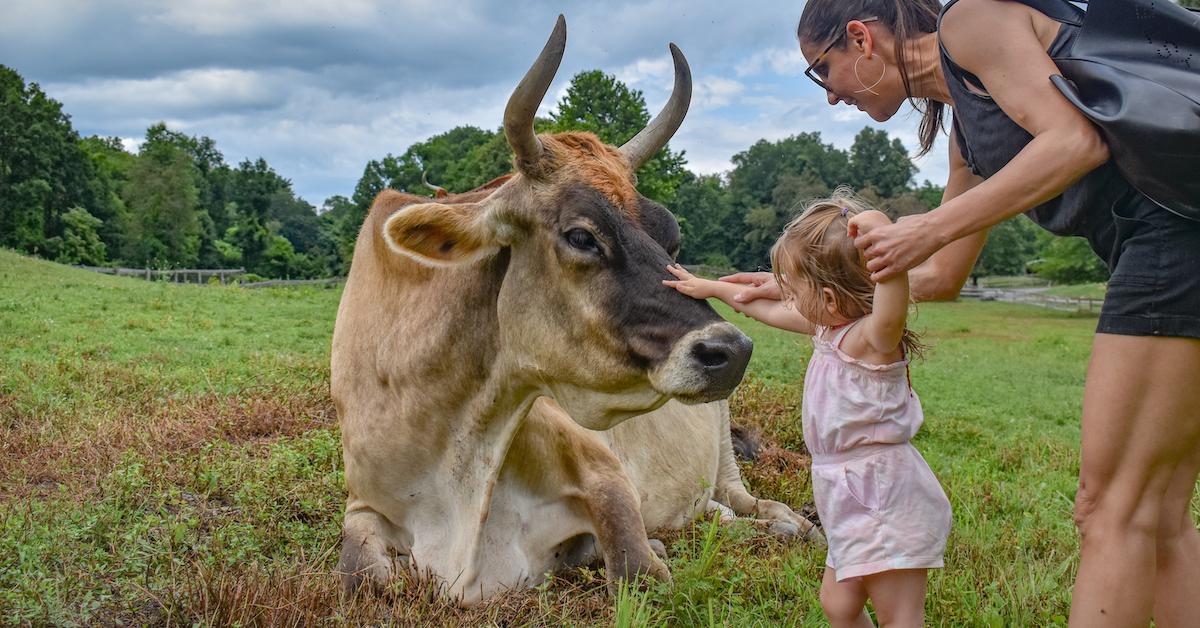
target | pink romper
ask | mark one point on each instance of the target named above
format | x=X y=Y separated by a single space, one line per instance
x=881 y=505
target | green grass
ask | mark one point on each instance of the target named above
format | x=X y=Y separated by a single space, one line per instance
x=1079 y=291
x=1017 y=281
x=169 y=453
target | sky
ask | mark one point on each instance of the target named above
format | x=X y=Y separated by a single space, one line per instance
x=320 y=87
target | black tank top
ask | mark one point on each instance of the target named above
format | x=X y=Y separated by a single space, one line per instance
x=988 y=139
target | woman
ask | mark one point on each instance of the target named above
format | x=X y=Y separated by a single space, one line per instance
x=1018 y=146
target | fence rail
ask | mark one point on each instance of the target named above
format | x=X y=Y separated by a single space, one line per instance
x=179 y=275
x=275 y=283
x=1034 y=297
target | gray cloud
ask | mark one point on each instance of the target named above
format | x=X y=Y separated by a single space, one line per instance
x=318 y=88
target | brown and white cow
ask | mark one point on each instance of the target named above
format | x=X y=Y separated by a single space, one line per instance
x=489 y=348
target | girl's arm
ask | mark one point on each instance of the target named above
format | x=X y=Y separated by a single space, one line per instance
x=882 y=329
x=997 y=42
x=774 y=313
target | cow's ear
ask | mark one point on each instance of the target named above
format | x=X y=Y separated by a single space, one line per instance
x=441 y=235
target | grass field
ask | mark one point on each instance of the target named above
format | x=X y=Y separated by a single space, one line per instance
x=170 y=454
x=1079 y=291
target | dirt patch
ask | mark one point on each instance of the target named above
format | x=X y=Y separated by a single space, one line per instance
x=36 y=459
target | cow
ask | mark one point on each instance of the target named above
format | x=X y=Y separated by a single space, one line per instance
x=489 y=350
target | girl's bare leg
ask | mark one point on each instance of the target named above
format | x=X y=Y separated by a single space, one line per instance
x=844 y=603
x=898 y=596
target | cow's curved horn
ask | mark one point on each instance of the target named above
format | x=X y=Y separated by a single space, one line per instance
x=523 y=104
x=438 y=191
x=642 y=147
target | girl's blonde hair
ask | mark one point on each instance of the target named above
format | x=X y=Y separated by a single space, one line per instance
x=817 y=251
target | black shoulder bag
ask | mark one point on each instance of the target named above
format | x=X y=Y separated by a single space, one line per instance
x=1134 y=70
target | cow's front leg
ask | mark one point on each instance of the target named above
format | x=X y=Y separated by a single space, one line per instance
x=368 y=555
x=620 y=532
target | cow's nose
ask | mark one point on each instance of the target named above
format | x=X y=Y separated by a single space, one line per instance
x=722 y=359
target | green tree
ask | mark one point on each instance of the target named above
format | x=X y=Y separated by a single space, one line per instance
x=1193 y=4
x=599 y=103
x=43 y=171
x=880 y=163
x=163 y=201
x=706 y=220
x=1010 y=246
x=1070 y=260
x=111 y=166
x=80 y=242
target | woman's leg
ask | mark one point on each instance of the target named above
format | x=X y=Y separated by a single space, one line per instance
x=1139 y=425
x=898 y=596
x=1177 y=583
x=844 y=603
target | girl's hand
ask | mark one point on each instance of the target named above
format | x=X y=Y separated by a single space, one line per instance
x=863 y=223
x=689 y=284
x=892 y=249
x=762 y=286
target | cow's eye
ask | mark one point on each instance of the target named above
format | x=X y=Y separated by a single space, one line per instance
x=583 y=240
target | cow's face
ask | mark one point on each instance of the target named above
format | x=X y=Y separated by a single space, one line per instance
x=582 y=310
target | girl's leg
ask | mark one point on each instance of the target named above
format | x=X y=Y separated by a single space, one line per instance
x=1177 y=582
x=1139 y=425
x=844 y=603
x=898 y=596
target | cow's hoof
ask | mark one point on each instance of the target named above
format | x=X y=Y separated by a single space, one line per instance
x=366 y=562
x=784 y=529
x=659 y=549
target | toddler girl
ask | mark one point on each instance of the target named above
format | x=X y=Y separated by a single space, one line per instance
x=885 y=515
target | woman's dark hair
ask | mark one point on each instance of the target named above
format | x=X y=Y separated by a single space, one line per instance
x=823 y=20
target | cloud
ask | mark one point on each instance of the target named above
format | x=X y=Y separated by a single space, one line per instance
x=320 y=88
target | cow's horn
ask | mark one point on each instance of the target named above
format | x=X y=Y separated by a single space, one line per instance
x=437 y=189
x=642 y=147
x=523 y=104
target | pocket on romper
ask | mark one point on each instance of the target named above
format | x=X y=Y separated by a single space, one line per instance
x=1135 y=260
x=862 y=483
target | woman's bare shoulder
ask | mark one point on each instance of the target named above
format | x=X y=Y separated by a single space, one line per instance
x=972 y=31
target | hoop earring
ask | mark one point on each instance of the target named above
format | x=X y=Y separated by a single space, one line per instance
x=870 y=89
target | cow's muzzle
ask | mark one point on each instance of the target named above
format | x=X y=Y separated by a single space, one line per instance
x=705 y=365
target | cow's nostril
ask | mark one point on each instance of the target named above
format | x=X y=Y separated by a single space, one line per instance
x=711 y=356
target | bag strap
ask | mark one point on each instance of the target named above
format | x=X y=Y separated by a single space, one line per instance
x=1058 y=10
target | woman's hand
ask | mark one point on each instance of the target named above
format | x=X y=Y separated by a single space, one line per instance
x=762 y=286
x=689 y=284
x=892 y=249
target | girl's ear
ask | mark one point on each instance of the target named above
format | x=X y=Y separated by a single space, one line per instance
x=830 y=301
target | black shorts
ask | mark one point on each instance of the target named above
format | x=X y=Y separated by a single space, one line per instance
x=1154 y=289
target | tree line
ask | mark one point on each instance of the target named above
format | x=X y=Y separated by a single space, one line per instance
x=176 y=202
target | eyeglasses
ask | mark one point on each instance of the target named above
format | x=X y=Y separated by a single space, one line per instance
x=811 y=73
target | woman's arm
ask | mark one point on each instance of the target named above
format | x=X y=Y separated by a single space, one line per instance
x=941 y=277
x=997 y=42
x=774 y=313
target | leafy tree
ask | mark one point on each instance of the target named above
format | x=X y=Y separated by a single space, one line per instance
x=1011 y=245
x=80 y=242
x=758 y=169
x=599 y=103
x=43 y=171
x=163 y=203
x=879 y=163
x=1070 y=260
x=1193 y=4
x=706 y=214
x=930 y=194
x=111 y=166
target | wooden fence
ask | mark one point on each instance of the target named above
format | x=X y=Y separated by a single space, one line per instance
x=181 y=275
x=1033 y=297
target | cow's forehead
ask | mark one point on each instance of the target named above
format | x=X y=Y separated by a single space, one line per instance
x=582 y=159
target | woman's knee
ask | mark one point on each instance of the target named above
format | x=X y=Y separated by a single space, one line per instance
x=1104 y=508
